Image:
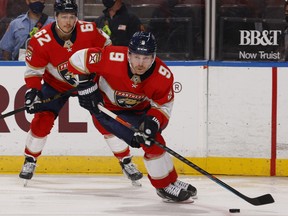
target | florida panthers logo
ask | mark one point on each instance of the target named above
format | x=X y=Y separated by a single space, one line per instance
x=65 y=74
x=127 y=99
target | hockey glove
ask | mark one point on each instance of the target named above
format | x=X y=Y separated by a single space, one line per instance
x=33 y=101
x=147 y=130
x=89 y=96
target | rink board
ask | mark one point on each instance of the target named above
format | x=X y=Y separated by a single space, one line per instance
x=221 y=120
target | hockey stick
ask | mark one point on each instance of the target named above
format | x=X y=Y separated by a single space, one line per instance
x=261 y=200
x=47 y=100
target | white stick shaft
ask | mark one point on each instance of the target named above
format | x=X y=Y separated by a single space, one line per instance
x=107 y=112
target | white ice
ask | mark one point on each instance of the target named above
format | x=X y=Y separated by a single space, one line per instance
x=103 y=195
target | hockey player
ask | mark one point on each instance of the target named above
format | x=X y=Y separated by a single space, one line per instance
x=137 y=86
x=46 y=60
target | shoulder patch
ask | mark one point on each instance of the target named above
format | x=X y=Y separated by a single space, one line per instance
x=28 y=55
x=94 y=58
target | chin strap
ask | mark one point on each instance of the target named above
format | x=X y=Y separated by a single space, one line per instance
x=65 y=33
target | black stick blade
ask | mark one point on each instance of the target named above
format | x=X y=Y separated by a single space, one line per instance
x=262 y=200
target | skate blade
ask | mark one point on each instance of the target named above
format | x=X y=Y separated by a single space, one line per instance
x=194 y=197
x=25 y=182
x=188 y=201
x=136 y=183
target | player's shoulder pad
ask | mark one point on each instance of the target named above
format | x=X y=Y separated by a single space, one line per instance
x=47 y=35
x=116 y=51
x=82 y=22
x=120 y=49
x=94 y=55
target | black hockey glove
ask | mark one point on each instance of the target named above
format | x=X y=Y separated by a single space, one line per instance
x=89 y=96
x=147 y=130
x=33 y=100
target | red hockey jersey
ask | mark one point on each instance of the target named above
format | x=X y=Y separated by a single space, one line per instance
x=47 y=54
x=123 y=90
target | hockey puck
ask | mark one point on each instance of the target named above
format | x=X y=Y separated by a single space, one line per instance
x=234 y=210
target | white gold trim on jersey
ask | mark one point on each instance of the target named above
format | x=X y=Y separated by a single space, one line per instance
x=55 y=73
x=39 y=72
x=166 y=108
x=105 y=87
x=33 y=71
x=78 y=59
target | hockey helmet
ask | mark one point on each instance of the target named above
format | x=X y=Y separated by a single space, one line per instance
x=65 y=6
x=143 y=43
x=108 y=3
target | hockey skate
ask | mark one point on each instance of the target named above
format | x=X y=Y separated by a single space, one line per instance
x=188 y=187
x=28 y=169
x=174 y=194
x=129 y=169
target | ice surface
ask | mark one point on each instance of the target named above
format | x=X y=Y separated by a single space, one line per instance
x=114 y=195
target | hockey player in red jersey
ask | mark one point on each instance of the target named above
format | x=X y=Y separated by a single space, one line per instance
x=46 y=60
x=138 y=87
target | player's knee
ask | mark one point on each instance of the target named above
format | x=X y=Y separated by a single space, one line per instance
x=42 y=123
